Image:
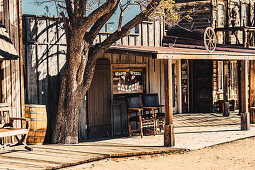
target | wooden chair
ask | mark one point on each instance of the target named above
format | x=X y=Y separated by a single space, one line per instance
x=7 y=128
x=151 y=104
x=135 y=106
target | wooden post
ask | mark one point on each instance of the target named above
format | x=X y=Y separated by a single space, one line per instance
x=169 y=139
x=225 y=89
x=245 y=115
x=252 y=90
x=179 y=86
x=21 y=63
x=239 y=85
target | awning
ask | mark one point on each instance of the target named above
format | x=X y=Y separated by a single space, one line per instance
x=189 y=52
x=7 y=49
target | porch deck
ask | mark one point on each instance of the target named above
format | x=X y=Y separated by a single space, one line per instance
x=192 y=131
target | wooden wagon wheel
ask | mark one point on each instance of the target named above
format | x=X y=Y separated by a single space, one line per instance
x=210 y=39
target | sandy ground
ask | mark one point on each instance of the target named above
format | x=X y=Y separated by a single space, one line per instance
x=235 y=155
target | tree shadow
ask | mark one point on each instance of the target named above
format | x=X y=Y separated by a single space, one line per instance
x=44 y=62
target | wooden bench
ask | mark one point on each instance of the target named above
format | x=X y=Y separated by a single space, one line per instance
x=7 y=128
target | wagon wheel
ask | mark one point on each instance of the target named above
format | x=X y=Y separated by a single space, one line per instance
x=210 y=39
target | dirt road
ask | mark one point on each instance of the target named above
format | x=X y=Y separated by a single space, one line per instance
x=229 y=156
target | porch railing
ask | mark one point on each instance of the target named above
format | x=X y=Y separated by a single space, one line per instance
x=247 y=38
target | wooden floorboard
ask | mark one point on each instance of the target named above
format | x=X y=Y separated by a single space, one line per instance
x=24 y=163
x=58 y=156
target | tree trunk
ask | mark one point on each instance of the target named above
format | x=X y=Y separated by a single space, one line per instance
x=80 y=67
x=66 y=124
x=74 y=86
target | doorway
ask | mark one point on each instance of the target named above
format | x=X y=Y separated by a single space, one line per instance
x=201 y=86
x=99 y=102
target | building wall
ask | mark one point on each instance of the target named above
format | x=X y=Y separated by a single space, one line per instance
x=11 y=77
x=44 y=54
x=154 y=84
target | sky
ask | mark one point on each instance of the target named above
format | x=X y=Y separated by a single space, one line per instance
x=28 y=7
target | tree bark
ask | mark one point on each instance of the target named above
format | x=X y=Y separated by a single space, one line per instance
x=81 y=62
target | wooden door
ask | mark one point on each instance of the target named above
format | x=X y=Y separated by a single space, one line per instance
x=99 y=102
x=201 y=86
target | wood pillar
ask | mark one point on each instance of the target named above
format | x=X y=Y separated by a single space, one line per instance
x=21 y=63
x=225 y=89
x=169 y=139
x=179 y=86
x=252 y=90
x=239 y=85
x=245 y=115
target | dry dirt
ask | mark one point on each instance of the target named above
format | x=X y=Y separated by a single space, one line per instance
x=229 y=156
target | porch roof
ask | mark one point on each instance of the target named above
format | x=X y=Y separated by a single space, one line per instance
x=7 y=49
x=189 y=52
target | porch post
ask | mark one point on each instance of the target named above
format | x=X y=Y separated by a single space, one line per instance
x=169 y=139
x=245 y=115
x=225 y=89
x=252 y=91
x=179 y=86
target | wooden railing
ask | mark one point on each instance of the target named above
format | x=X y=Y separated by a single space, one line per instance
x=247 y=39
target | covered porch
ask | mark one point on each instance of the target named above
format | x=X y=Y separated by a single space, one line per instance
x=244 y=58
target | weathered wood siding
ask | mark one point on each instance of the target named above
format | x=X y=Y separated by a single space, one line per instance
x=44 y=53
x=228 y=18
x=190 y=30
x=11 y=91
x=154 y=84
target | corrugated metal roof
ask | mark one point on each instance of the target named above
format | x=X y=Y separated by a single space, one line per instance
x=7 y=49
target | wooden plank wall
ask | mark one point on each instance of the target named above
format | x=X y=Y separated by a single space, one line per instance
x=235 y=14
x=199 y=11
x=216 y=14
x=154 y=84
x=44 y=53
x=148 y=33
x=10 y=69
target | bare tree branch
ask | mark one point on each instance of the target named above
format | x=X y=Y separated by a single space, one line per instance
x=102 y=47
x=91 y=35
x=98 y=13
x=83 y=8
x=70 y=10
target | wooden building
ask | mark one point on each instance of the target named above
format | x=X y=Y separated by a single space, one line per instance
x=233 y=22
x=184 y=74
x=11 y=86
x=44 y=55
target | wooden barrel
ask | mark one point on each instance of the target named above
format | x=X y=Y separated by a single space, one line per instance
x=38 y=123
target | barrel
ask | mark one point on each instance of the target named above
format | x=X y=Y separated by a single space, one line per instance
x=38 y=123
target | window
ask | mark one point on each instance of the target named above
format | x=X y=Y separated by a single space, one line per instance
x=220 y=15
x=244 y=15
x=220 y=76
x=128 y=80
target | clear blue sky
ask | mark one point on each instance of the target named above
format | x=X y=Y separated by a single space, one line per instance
x=28 y=7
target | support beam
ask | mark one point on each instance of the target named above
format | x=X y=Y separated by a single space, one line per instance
x=179 y=86
x=252 y=90
x=225 y=88
x=239 y=89
x=245 y=115
x=169 y=139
